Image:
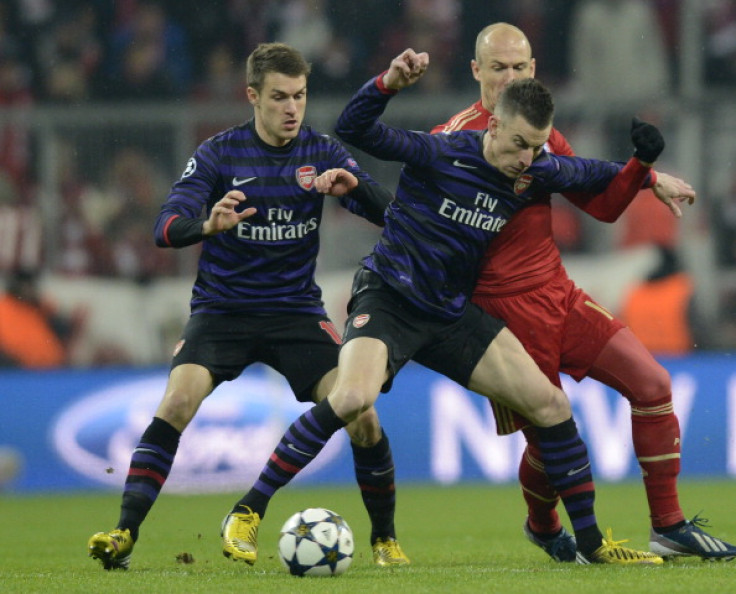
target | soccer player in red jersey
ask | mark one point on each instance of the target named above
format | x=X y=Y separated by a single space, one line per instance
x=523 y=282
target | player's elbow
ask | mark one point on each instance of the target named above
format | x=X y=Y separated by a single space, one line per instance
x=344 y=130
x=345 y=134
x=159 y=236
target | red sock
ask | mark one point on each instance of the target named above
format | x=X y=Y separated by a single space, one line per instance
x=541 y=497
x=656 y=434
x=625 y=365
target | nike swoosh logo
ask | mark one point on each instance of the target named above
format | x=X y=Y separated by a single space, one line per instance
x=239 y=181
x=574 y=471
x=146 y=450
x=298 y=451
x=382 y=472
x=458 y=163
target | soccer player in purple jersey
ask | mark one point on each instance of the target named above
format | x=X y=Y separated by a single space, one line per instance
x=411 y=297
x=255 y=298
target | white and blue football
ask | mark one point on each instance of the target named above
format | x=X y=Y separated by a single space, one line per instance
x=316 y=542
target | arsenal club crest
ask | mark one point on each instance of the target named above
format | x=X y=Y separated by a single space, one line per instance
x=522 y=183
x=361 y=320
x=305 y=176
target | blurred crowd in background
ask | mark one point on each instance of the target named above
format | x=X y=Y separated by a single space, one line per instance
x=74 y=51
x=80 y=201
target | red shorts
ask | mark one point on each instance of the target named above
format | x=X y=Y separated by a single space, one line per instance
x=560 y=326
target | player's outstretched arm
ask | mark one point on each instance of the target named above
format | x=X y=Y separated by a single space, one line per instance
x=673 y=191
x=610 y=204
x=405 y=69
x=223 y=215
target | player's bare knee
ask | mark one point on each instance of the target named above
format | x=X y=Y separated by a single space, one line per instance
x=551 y=409
x=349 y=402
x=365 y=430
x=178 y=408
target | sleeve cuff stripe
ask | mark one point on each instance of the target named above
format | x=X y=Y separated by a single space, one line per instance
x=383 y=88
x=166 y=229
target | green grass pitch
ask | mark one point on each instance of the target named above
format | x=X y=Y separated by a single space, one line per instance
x=461 y=539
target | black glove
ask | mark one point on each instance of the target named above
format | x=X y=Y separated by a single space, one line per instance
x=648 y=140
